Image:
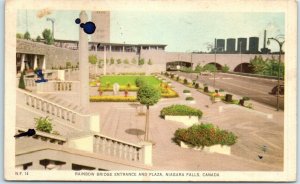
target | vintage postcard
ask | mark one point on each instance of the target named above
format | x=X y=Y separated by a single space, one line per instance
x=179 y=90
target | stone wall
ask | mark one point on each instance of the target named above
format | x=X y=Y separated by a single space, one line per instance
x=55 y=56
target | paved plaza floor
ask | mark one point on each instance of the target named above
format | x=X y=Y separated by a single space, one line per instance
x=255 y=128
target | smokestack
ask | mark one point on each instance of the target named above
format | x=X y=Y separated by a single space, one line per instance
x=265 y=38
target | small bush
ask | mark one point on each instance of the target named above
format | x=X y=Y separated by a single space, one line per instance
x=139 y=81
x=197 y=85
x=180 y=110
x=245 y=98
x=185 y=81
x=201 y=135
x=177 y=78
x=186 y=91
x=43 y=124
x=189 y=98
x=21 y=81
x=225 y=68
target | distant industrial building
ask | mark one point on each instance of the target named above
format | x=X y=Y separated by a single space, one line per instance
x=102 y=22
x=230 y=45
x=242 y=45
x=265 y=50
x=221 y=45
x=253 y=45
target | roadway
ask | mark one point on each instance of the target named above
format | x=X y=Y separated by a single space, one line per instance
x=256 y=88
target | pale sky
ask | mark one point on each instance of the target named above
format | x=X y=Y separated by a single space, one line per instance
x=180 y=31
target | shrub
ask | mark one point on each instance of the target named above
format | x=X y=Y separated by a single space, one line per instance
x=113 y=99
x=149 y=62
x=189 y=98
x=119 y=61
x=168 y=93
x=112 y=61
x=201 y=135
x=221 y=90
x=141 y=61
x=172 y=75
x=139 y=81
x=177 y=78
x=245 y=98
x=185 y=81
x=197 y=85
x=180 y=110
x=126 y=61
x=43 y=124
x=225 y=68
x=21 y=81
x=55 y=132
x=186 y=91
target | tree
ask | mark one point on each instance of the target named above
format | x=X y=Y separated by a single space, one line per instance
x=19 y=36
x=148 y=95
x=47 y=35
x=210 y=67
x=21 y=81
x=92 y=59
x=225 y=68
x=27 y=35
x=141 y=61
x=258 y=65
x=198 y=68
x=38 y=38
x=112 y=61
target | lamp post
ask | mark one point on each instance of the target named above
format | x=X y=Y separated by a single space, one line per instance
x=215 y=48
x=52 y=21
x=241 y=55
x=280 y=43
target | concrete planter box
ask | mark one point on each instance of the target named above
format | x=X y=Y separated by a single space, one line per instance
x=187 y=94
x=217 y=99
x=186 y=120
x=218 y=148
x=191 y=101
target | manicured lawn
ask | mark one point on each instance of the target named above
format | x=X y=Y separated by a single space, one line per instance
x=125 y=79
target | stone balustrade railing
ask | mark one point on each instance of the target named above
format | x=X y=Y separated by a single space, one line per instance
x=58 y=87
x=121 y=150
x=29 y=82
x=116 y=148
x=83 y=121
x=46 y=137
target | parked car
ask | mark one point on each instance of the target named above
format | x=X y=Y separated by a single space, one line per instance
x=274 y=90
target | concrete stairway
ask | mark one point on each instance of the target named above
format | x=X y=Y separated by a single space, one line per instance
x=56 y=98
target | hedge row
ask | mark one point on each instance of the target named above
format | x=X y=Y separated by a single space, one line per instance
x=201 y=135
x=180 y=110
x=113 y=99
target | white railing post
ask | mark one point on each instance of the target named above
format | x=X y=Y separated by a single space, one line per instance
x=147 y=152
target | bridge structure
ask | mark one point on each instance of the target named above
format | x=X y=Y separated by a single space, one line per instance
x=235 y=62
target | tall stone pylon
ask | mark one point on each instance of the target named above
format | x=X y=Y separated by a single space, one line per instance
x=83 y=63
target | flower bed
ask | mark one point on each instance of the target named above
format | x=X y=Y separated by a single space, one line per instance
x=201 y=135
x=169 y=93
x=180 y=110
x=113 y=99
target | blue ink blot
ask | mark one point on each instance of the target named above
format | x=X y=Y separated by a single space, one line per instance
x=30 y=132
x=88 y=27
x=77 y=21
x=40 y=75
